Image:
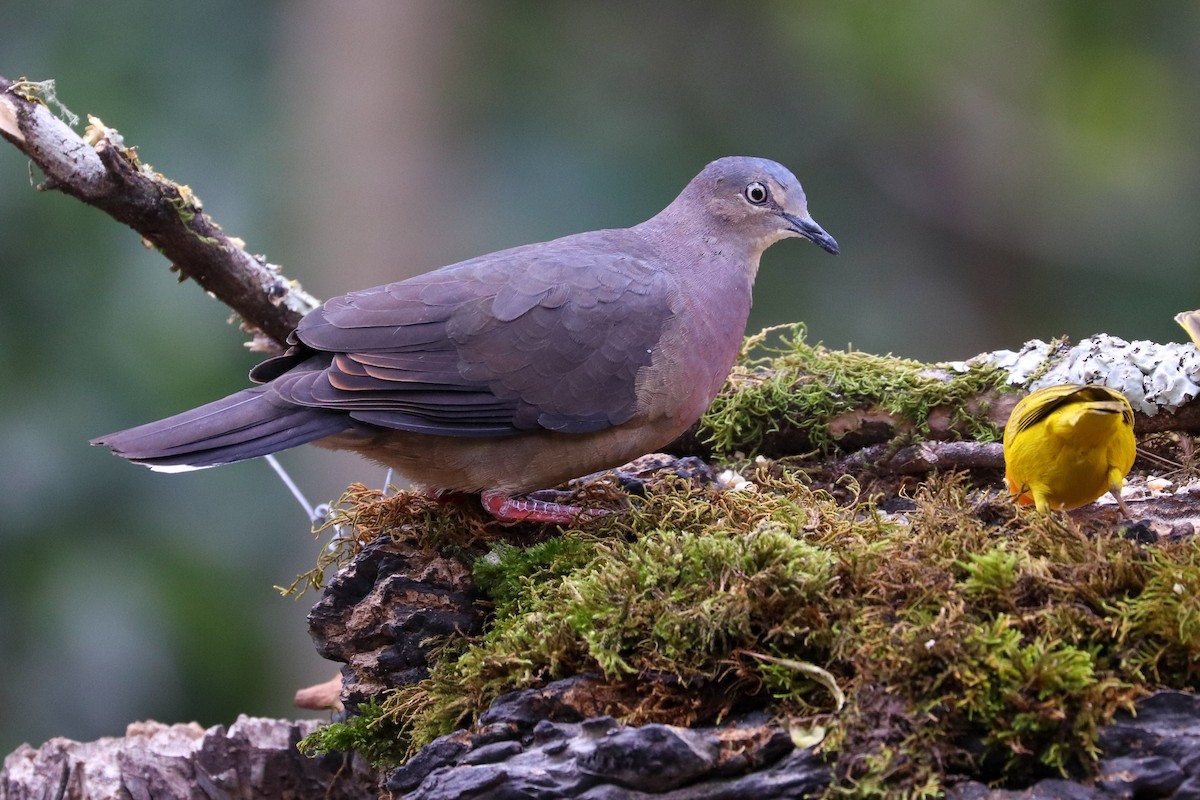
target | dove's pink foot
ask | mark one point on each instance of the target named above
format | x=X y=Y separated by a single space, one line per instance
x=525 y=509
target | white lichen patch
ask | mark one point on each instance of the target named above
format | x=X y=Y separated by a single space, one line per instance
x=1020 y=364
x=734 y=481
x=1153 y=377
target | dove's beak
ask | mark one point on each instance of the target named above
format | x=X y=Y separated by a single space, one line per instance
x=809 y=229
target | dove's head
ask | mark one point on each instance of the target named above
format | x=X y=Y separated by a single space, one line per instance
x=752 y=200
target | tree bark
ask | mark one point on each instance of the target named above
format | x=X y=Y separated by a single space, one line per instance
x=252 y=758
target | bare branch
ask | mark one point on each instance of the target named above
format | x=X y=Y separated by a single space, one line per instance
x=99 y=170
x=924 y=457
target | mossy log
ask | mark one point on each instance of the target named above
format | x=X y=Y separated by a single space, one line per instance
x=787 y=397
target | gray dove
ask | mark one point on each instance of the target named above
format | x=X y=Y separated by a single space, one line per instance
x=520 y=369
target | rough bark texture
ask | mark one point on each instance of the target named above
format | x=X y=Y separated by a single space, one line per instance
x=534 y=743
x=531 y=743
x=1155 y=754
x=378 y=614
x=252 y=758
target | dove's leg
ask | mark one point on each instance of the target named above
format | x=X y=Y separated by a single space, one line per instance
x=526 y=509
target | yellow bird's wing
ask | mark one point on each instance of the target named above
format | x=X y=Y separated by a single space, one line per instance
x=1044 y=402
x=1037 y=406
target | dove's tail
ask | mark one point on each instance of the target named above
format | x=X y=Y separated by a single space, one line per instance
x=244 y=425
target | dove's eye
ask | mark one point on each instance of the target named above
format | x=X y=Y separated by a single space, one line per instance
x=756 y=193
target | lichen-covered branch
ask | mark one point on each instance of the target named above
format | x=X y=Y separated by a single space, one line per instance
x=789 y=397
x=98 y=169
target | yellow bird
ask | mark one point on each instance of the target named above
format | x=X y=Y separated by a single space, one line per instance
x=1066 y=445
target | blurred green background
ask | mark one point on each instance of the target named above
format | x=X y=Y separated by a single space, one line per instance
x=994 y=172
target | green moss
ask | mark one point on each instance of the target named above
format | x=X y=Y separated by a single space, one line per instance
x=670 y=602
x=961 y=620
x=1024 y=633
x=370 y=732
x=1159 y=626
x=991 y=575
x=796 y=385
x=507 y=571
x=681 y=601
x=1029 y=695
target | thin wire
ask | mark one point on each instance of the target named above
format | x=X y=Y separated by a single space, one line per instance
x=317 y=514
x=313 y=514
